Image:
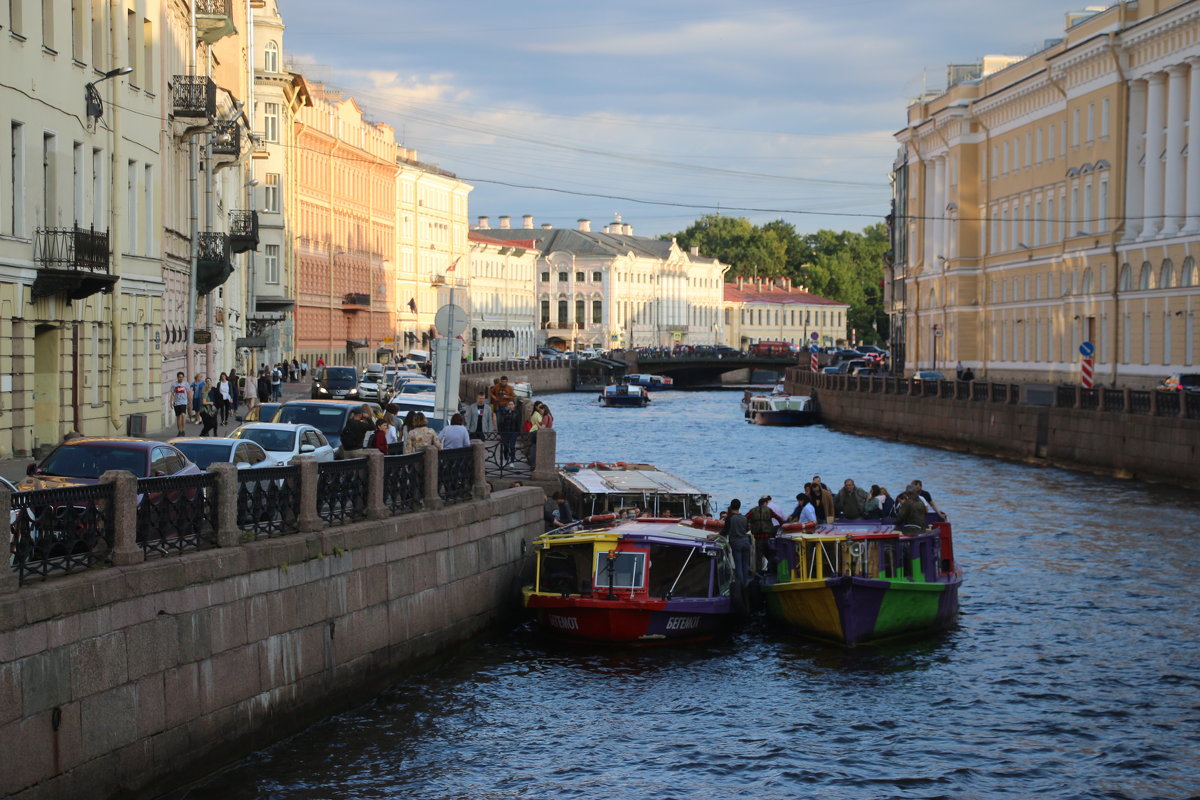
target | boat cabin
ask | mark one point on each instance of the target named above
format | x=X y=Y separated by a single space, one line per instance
x=866 y=550
x=619 y=488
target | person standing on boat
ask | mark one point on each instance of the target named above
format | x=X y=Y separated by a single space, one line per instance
x=910 y=512
x=822 y=500
x=557 y=512
x=762 y=526
x=916 y=486
x=737 y=531
x=804 y=513
x=851 y=501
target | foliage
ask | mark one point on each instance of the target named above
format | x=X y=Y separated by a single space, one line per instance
x=844 y=266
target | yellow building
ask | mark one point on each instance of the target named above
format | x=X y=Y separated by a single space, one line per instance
x=775 y=311
x=1046 y=201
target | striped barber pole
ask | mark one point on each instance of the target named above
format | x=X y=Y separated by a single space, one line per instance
x=813 y=360
x=1085 y=373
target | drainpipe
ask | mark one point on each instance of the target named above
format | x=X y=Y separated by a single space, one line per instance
x=76 y=411
x=115 y=241
x=193 y=220
x=1118 y=191
x=208 y=225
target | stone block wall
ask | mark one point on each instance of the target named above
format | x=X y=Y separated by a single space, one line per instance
x=130 y=681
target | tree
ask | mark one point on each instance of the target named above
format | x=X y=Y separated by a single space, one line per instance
x=749 y=251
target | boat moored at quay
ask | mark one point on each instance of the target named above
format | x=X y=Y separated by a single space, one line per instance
x=623 y=395
x=624 y=489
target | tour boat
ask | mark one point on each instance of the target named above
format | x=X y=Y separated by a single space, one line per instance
x=621 y=395
x=621 y=488
x=861 y=581
x=651 y=383
x=780 y=409
x=610 y=580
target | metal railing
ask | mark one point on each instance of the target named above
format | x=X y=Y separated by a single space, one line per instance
x=1089 y=399
x=60 y=530
x=1139 y=402
x=193 y=96
x=509 y=455
x=342 y=490
x=71 y=248
x=404 y=482
x=268 y=500
x=1166 y=403
x=456 y=471
x=1114 y=400
x=226 y=138
x=176 y=513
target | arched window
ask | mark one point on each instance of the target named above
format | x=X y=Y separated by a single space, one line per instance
x=1187 y=273
x=1126 y=278
x=1166 y=274
x=1144 y=278
x=271 y=57
x=1087 y=281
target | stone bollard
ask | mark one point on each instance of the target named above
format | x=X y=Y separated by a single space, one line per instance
x=479 y=482
x=433 y=498
x=9 y=582
x=1078 y=397
x=1154 y=402
x=375 y=507
x=1100 y=392
x=123 y=514
x=228 y=534
x=308 y=520
x=1126 y=405
x=544 y=453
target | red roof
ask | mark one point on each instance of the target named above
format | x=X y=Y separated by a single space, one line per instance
x=476 y=236
x=774 y=293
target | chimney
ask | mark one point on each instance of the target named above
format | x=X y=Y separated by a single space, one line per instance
x=484 y=223
x=627 y=229
x=585 y=225
x=527 y=222
x=741 y=281
x=505 y=222
x=694 y=250
x=546 y=226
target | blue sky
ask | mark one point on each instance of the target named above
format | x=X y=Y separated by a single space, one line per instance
x=786 y=108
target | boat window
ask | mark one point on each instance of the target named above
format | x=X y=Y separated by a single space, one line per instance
x=628 y=571
x=674 y=573
x=563 y=567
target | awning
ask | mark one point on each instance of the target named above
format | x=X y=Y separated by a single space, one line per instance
x=497 y=333
x=253 y=342
x=356 y=344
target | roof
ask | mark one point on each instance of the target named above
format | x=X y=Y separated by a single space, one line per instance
x=583 y=243
x=773 y=293
x=478 y=236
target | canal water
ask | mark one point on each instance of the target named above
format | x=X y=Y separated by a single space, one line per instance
x=1074 y=671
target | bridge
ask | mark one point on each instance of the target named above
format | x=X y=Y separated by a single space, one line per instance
x=703 y=369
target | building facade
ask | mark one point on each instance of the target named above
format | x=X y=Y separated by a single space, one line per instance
x=1049 y=201
x=504 y=301
x=766 y=310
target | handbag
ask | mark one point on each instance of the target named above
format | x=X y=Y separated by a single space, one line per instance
x=527 y=427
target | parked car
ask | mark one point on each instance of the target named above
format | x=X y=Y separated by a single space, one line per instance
x=262 y=412
x=327 y=416
x=283 y=442
x=849 y=367
x=1184 y=382
x=372 y=385
x=204 y=451
x=829 y=370
x=335 y=383
x=549 y=352
x=928 y=375
x=81 y=462
x=408 y=386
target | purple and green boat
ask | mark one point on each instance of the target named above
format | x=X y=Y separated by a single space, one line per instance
x=858 y=582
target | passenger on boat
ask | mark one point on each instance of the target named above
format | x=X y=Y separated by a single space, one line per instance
x=762 y=525
x=737 y=531
x=910 y=512
x=916 y=484
x=804 y=511
x=880 y=504
x=851 y=501
x=557 y=512
x=822 y=500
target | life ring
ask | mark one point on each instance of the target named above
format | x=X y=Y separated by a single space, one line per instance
x=659 y=519
x=622 y=464
x=600 y=518
x=797 y=527
x=598 y=465
x=707 y=523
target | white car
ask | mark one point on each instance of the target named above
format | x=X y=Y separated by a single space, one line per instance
x=372 y=386
x=283 y=441
x=206 y=450
x=411 y=386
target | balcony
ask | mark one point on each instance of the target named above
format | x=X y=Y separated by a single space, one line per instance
x=214 y=20
x=226 y=139
x=72 y=261
x=356 y=301
x=243 y=231
x=193 y=96
x=214 y=262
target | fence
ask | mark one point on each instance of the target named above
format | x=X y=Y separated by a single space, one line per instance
x=125 y=520
x=1157 y=403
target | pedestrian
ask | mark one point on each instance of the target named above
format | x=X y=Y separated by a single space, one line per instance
x=208 y=409
x=737 y=531
x=235 y=393
x=379 y=439
x=263 y=387
x=197 y=396
x=304 y=369
x=225 y=398
x=479 y=418
x=181 y=394
x=277 y=382
x=501 y=393
x=508 y=423
x=295 y=370
x=420 y=436
x=455 y=434
x=358 y=428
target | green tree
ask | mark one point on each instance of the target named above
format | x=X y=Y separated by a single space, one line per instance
x=735 y=241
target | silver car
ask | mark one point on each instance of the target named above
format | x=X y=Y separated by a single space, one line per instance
x=203 y=451
x=283 y=441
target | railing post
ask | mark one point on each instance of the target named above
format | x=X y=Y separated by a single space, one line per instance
x=1100 y=392
x=124 y=518
x=433 y=499
x=1078 y=396
x=544 y=453
x=375 y=507
x=9 y=582
x=1154 y=402
x=228 y=534
x=1182 y=408
x=479 y=482
x=1126 y=401
x=307 y=518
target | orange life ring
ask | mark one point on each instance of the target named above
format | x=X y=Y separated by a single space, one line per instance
x=659 y=519
x=798 y=527
x=707 y=523
x=598 y=465
x=600 y=518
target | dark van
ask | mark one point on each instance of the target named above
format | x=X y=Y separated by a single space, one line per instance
x=335 y=383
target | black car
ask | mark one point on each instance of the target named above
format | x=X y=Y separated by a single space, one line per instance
x=335 y=383
x=327 y=416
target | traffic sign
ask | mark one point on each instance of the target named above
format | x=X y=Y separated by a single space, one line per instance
x=1087 y=349
x=815 y=336
x=450 y=320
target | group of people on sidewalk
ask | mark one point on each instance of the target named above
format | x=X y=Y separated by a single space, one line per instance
x=749 y=533
x=210 y=402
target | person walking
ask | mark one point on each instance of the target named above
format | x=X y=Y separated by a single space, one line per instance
x=263 y=386
x=224 y=398
x=737 y=531
x=235 y=393
x=197 y=395
x=304 y=369
x=208 y=409
x=181 y=395
x=276 y=383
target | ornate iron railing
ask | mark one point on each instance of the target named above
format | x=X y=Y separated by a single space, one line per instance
x=193 y=96
x=1064 y=397
x=226 y=138
x=509 y=455
x=999 y=392
x=1089 y=399
x=176 y=513
x=1167 y=403
x=456 y=472
x=243 y=230
x=1139 y=401
x=979 y=391
x=268 y=500
x=1114 y=400
x=404 y=482
x=71 y=248
x=356 y=299
x=1191 y=405
x=342 y=490
x=60 y=530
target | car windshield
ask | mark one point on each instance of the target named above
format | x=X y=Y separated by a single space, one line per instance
x=93 y=461
x=340 y=376
x=204 y=453
x=417 y=388
x=273 y=439
x=327 y=419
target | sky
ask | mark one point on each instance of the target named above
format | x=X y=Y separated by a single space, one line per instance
x=661 y=110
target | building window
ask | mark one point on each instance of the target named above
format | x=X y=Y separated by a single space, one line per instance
x=271 y=57
x=545 y=313
x=597 y=277
x=562 y=277
x=1050 y=142
x=271 y=264
x=545 y=277
x=580 y=317
x=1091 y=122
x=1102 y=210
x=597 y=315
x=562 y=314
x=271 y=122
x=271 y=192
x=1104 y=119
x=579 y=277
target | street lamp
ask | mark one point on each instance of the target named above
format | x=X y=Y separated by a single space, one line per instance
x=95 y=106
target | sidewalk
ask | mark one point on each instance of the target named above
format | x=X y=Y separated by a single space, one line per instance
x=14 y=468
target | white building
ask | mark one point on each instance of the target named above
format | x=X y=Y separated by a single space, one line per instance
x=504 y=301
x=775 y=310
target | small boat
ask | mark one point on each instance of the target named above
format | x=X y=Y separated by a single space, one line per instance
x=651 y=383
x=631 y=581
x=780 y=409
x=861 y=581
x=620 y=488
x=622 y=395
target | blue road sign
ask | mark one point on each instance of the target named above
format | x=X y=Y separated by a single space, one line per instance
x=1086 y=349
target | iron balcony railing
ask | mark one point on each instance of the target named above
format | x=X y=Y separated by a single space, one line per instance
x=213 y=8
x=356 y=299
x=193 y=96
x=243 y=231
x=226 y=138
x=214 y=261
x=71 y=248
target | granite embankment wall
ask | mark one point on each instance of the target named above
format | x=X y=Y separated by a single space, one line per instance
x=544 y=375
x=1164 y=449
x=129 y=681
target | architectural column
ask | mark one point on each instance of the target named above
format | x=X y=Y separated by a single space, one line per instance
x=1192 y=184
x=1155 y=108
x=939 y=210
x=1177 y=95
x=927 y=224
x=1134 y=176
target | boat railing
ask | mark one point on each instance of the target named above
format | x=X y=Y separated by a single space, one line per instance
x=875 y=556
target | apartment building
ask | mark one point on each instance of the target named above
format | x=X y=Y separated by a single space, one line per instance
x=1047 y=201
x=504 y=302
x=775 y=310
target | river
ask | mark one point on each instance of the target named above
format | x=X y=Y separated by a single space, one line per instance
x=1074 y=671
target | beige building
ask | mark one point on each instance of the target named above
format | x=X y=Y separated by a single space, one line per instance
x=504 y=307
x=1046 y=201
x=758 y=310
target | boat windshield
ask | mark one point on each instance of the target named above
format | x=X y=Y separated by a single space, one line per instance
x=628 y=570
